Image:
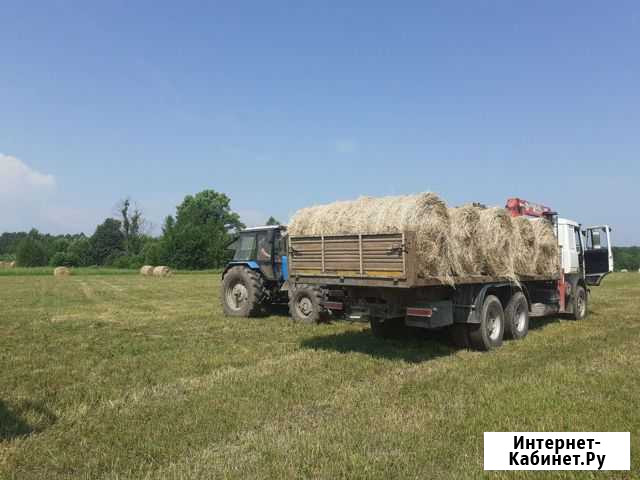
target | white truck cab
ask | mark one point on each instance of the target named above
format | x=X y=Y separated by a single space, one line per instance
x=587 y=250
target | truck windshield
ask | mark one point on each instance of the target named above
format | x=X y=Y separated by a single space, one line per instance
x=246 y=246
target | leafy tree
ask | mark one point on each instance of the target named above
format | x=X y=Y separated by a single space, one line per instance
x=31 y=253
x=132 y=225
x=272 y=221
x=107 y=243
x=80 y=252
x=196 y=238
x=9 y=242
x=152 y=252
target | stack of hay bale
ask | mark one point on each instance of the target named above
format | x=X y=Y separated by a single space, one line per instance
x=451 y=242
x=161 y=271
x=424 y=214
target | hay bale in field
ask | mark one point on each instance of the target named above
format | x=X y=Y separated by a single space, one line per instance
x=497 y=242
x=3 y=264
x=12 y=264
x=423 y=213
x=525 y=248
x=547 y=258
x=161 y=271
x=465 y=239
x=146 y=270
x=61 y=271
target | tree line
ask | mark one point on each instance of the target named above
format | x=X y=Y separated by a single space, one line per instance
x=626 y=258
x=194 y=238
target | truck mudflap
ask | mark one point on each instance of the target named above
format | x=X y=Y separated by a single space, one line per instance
x=430 y=315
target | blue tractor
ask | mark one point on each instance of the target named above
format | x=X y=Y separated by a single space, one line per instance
x=257 y=277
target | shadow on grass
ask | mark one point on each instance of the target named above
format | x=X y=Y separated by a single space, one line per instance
x=13 y=422
x=410 y=346
x=538 y=323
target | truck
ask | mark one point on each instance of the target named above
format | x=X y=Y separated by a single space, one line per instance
x=372 y=277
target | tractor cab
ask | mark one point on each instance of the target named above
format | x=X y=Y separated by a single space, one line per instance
x=261 y=249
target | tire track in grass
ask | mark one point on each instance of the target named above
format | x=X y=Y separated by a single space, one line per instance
x=225 y=457
x=182 y=387
x=335 y=406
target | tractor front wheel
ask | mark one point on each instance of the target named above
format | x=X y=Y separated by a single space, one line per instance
x=243 y=292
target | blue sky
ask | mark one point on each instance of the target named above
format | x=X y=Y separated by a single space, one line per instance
x=286 y=104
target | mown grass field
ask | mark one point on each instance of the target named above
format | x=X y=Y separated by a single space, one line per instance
x=122 y=376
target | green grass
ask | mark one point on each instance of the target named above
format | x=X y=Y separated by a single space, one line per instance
x=22 y=271
x=124 y=376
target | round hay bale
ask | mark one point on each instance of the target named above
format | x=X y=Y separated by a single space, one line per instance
x=61 y=272
x=525 y=248
x=3 y=264
x=465 y=239
x=424 y=213
x=12 y=264
x=496 y=239
x=161 y=271
x=547 y=258
x=146 y=270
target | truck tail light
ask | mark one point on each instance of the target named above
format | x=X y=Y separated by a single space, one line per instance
x=419 y=312
x=333 y=305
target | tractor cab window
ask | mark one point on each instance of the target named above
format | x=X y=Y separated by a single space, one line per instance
x=245 y=247
x=278 y=244
x=264 y=247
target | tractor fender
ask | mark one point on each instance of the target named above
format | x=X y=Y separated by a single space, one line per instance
x=250 y=264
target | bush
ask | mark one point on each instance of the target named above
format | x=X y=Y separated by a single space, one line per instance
x=126 y=261
x=64 y=259
x=31 y=253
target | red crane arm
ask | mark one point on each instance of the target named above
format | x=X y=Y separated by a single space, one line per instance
x=518 y=207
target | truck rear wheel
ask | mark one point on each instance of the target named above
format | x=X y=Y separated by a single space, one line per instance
x=489 y=333
x=579 y=303
x=305 y=304
x=516 y=317
x=243 y=292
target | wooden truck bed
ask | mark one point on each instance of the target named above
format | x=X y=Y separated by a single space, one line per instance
x=376 y=260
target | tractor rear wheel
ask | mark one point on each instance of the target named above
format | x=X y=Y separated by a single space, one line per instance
x=243 y=292
x=305 y=304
